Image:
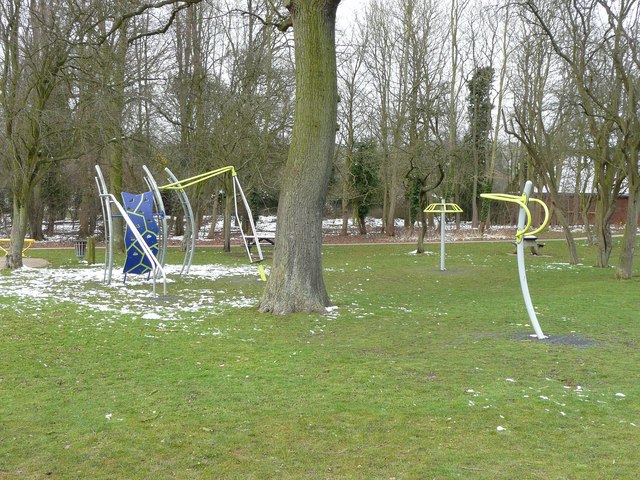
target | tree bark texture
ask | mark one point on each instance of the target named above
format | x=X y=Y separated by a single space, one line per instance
x=625 y=269
x=295 y=282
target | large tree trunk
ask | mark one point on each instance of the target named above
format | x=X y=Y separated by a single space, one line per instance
x=566 y=228
x=296 y=283
x=36 y=213
x=18 y=231
x=214 y=212
x=390 y=225
x=423 y=231
x=625 y=270
x=602 y=227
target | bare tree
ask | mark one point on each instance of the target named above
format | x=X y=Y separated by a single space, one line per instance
x=542 y=119
x=623 y=45
x=595 y=54
x=35 y=51
x=353 y=89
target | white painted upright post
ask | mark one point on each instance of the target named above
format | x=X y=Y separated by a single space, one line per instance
x=521 y=270
x=443 y=221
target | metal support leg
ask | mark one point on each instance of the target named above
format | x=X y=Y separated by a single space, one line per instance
x=521 y=270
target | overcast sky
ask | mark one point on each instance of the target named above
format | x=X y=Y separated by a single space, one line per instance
x=348 y=9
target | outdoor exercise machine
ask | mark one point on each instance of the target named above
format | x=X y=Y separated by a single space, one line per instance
x=443 y=208
x=523 y=228
x=146 y=236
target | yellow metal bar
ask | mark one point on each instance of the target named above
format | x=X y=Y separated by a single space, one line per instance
x=187 y=182
x=28 y=242
x=546 y=216
x=520 y=200
x=446 y=208
x=263 y=275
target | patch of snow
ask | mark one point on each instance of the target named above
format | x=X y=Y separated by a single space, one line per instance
x=35 y=288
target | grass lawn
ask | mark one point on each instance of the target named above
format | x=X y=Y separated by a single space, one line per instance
x=416 y=374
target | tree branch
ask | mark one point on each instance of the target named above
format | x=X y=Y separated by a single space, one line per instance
x=178 y=6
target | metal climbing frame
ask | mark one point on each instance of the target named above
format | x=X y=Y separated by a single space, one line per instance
x=106 y=201
x=524 y=223
x=181 y=185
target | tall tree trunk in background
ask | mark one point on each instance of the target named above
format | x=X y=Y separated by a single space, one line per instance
x=32 y=65
x=566 y=228
x=625 y=269
x=114 y=150
x=390 y=225
x=36 y=214
x=228 y=213
x=214 y=210
x=493 y=156
x=87 y=211
x=296 y=283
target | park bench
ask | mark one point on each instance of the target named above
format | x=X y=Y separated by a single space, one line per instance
x=265 y=238
x=531 y=241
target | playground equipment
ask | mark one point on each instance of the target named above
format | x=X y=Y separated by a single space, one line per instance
x=523 y=228
x=140 y=256
x=443 y=208
x=146 y=236
x=180 y=185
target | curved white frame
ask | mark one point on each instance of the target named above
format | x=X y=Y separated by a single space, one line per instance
x=190 y=245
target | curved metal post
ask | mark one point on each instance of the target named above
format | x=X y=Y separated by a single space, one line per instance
x=108 y=226
x=522 y=219
x=153 y=186
x=188 y=211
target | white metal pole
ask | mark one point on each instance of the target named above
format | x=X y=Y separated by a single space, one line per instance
x=521 y=270
x=443 y=221
x=190 y=246
x=108 y=226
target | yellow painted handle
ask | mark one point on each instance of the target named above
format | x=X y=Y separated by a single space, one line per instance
x=521 y=201
x=546 y=216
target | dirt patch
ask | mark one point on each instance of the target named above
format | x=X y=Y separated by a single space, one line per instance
x=571 y=340
x=30 y=262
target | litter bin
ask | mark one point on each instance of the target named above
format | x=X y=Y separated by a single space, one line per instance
x=81 y=248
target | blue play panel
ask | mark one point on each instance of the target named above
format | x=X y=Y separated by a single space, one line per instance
x=139 y=207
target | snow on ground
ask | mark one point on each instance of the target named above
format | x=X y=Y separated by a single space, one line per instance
x=66 y=231
x=36 y=289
